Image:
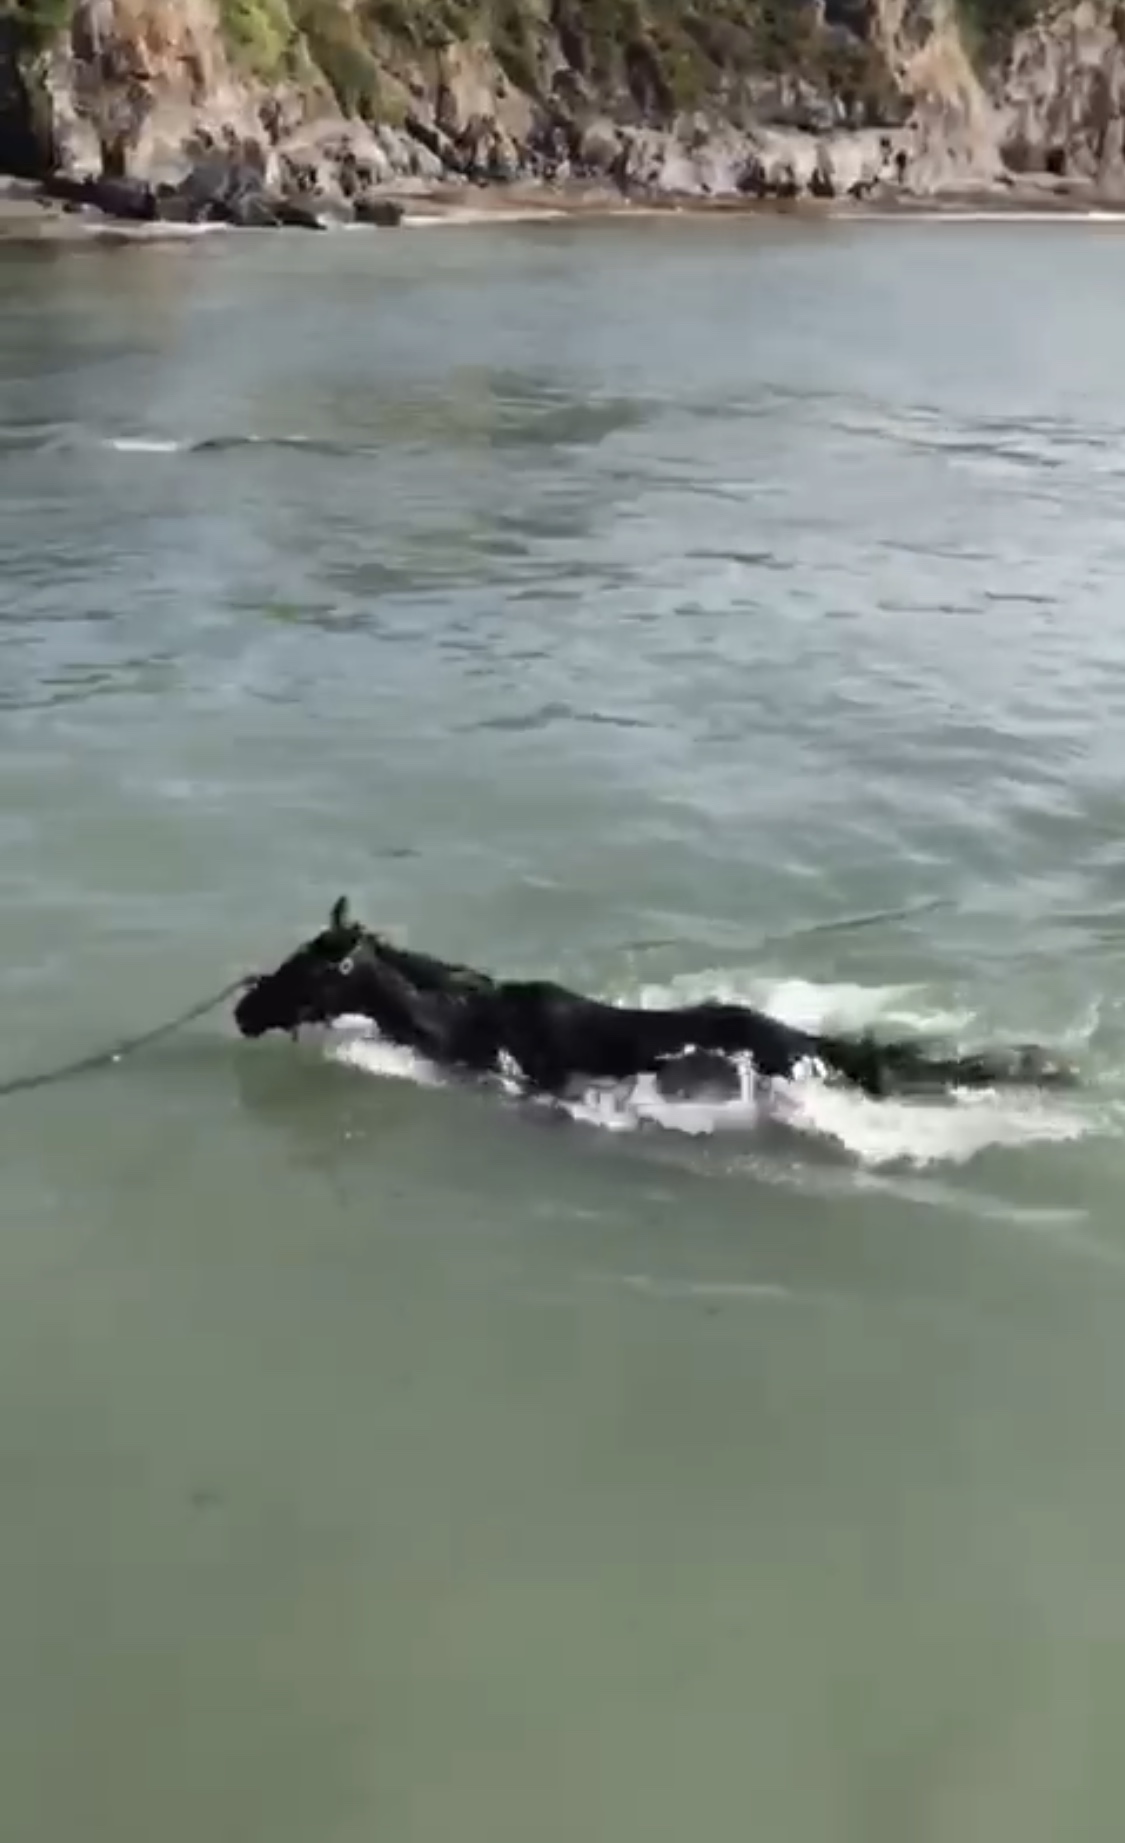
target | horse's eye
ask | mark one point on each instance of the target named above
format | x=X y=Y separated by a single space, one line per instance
x=347 y=964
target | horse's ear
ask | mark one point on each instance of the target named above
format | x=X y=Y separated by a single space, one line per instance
x=340 y=919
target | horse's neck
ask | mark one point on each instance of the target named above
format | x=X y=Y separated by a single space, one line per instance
x=381 y=990
x=418 y=968
x=425 y=971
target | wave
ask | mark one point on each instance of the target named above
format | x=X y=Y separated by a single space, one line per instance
x=454 y=216
x=145 y=444
x=74 y=438
x=950 y=1129
x=999 y=214
x=215 y=444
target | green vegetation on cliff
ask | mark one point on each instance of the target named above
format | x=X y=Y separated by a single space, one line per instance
x=989 y=26
x=35 y=23
x=653 y=58
x=649 y=59
x=670 y=55
x=274 y=39
x=260 y=34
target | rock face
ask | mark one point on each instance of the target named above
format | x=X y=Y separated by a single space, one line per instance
x=1060 y=100
x=301 y=112
x=136 y=108
x=952 y=141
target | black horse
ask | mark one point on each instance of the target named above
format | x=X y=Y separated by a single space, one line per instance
x=462 y=1019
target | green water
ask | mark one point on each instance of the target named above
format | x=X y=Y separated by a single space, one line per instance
x=623 y=603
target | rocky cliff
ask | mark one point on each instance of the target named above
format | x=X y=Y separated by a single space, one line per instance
x=209 y=106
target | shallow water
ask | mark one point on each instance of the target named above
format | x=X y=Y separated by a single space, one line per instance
x=657 y=606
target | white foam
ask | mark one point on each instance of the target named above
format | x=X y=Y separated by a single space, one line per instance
x=355 y=1042
x=718 y=1291
x=460 y=215
x=949 y=1129
x=159 y=444
x=1014 y=214
x=144 y=444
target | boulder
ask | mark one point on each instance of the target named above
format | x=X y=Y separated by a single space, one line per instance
x=297 y=213
x=174 y=207
x=132 y=200
x=251 y=211
x=385 y=213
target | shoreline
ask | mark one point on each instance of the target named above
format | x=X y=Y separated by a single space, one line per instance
x=29 y=216
x=1026 y=196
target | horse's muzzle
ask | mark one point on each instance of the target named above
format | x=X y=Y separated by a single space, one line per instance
x=249 y=1016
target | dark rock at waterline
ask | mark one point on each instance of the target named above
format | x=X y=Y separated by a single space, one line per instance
x=253 y=211
x=244 y=210
x=821 y=182
x=129 y=199
x=385 y=213
x=298 y=214
x=219 y=176
x=173 y=208
x=218 y=193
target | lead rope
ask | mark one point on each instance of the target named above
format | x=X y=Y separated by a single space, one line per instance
x=128 y=1046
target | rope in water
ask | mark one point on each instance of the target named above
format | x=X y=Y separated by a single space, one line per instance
x=838 y=925
x=128 y=1046
x=876 y=917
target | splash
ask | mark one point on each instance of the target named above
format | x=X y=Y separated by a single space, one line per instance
x=936 y=1130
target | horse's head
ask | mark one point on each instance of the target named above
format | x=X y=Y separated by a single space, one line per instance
x=313 y=985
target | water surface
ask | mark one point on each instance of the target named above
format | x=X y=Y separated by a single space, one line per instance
x=631 y=604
